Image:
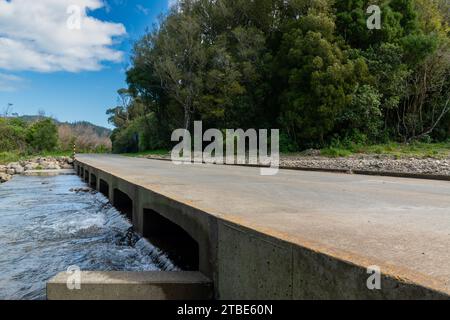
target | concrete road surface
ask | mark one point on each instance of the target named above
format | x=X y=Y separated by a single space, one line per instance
x=401 y=225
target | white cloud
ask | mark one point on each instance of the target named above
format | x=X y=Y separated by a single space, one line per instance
x=9 y=82
x=143 y=9
x=34 y=36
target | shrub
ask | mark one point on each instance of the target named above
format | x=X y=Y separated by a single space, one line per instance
x=12 y=135
x=43 y=135
x=140 y=135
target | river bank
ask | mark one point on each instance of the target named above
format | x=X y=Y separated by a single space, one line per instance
x=39 y=163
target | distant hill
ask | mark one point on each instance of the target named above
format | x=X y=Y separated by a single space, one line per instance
x=99 y=130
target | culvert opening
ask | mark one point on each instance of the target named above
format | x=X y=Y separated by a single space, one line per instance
x=181 y=248
x=93 y=182
x=104 y=188
x=123 y=203
x=86 y=176
x=81 y=173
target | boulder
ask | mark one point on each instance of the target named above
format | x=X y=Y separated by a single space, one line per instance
x=12 y=165
x=4 y=177
x=31 y=166
x=19 y=169
x=16 y=167
x=51 y=166
x=3 y=169
x=10 y=172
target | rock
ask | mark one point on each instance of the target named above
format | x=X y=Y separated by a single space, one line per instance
x=3 y=169
x=66 y=166
x=379 y=163
x=19 y=169
x=16 y=167
x=10 y=172
x=12 y=165
x=53 y=166
x=47 y=165
x=77 y=190
x=4 y=177
x=31 y=166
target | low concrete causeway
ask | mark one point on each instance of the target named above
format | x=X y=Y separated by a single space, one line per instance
x=297 y=235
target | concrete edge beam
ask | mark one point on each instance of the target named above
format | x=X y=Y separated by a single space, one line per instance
x=121 y=285
x=49 y=172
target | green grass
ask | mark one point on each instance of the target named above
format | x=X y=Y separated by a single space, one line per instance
x=398 y=150
x=161 y=152
x=8 y=157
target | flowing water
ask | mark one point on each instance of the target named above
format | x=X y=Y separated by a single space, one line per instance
x=46 y=228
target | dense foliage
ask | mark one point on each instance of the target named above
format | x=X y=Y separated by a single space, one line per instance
x=309 y=67
x=34 y=135
x=42 y=135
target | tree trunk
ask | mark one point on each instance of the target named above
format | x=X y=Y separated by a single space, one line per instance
x=187 y=118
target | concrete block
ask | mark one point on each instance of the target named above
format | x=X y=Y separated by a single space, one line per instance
x=132 y=286
x=320 y=277
x=253 y=266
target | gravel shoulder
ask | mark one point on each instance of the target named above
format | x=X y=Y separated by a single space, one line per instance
x=374 y=163
x=377 y=164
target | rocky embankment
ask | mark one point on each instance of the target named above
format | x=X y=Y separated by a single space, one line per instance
x=36 y=164
x=373 y=163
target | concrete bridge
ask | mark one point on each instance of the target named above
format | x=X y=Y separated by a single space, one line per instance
x=297 y=235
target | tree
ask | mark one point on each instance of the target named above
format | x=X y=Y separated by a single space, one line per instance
x=181 y=62
x=321 y=79
x=12 y=134
x=311 y=68
x=43 y=135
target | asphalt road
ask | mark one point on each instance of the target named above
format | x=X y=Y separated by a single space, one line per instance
x=401 y=225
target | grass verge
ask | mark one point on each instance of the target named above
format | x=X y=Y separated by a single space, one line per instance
x=161 y=152
x=8 y=157
x=397 y=150
x=393 y=149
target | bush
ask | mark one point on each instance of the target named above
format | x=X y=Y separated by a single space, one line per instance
x=287 y=145
x=141 y=134
x=43 y=135
x=12 y=135
x=7 y=157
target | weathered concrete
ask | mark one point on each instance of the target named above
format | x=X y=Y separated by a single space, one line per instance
x=49 y=172
x=132 y=286
x=298 y=234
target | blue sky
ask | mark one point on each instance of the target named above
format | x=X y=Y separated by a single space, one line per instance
x=49 y=76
